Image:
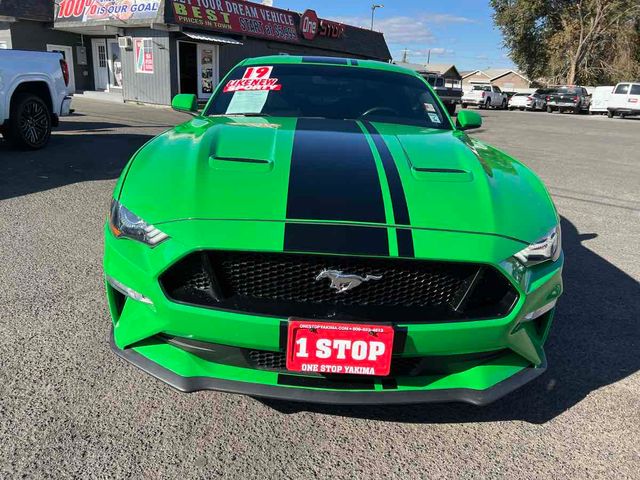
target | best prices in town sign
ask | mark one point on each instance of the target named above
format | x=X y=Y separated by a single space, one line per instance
x=255 y=20
x=104 y=10
x=237 y=16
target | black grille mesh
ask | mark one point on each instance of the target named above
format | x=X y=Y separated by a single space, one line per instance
x=285 y=285
x=293 y=278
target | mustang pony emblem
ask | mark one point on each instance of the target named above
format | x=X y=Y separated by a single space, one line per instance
x=343 y=282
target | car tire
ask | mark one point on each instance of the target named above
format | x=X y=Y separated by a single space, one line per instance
x=29 y=122
x=487 y=104
x=549 y=109
x=610 y=113
x=622 y=114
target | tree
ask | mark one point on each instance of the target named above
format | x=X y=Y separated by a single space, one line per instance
x=575 y=41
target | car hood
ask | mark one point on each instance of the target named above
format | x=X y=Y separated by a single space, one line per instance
x=287 y=169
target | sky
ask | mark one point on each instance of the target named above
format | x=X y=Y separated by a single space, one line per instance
x=459 y=32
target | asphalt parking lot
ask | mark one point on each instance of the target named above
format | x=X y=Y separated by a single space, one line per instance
x=71 y=408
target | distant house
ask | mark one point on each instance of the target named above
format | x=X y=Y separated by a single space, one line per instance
x=452 y=76
x=505 y=78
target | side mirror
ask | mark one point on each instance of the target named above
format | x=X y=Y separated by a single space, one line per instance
x=186 y=103
x=467 y=120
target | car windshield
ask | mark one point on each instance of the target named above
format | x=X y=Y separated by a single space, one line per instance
x=484 y=88
x=322 y=91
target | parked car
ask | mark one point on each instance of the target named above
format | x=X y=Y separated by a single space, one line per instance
x=485 y=96
x=523 y=101
x=600 y=99
x=541 y=94
x=569 y=99
x=273 y=267
x=449 y=94
x=33 y=96
x=625 y=100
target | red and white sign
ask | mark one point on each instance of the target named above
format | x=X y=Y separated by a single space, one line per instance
x=254 y=78
x=143 y=49
x=309 y=24
x=339 y=348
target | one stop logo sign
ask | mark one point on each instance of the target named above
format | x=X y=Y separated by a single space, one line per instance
x=309 y=24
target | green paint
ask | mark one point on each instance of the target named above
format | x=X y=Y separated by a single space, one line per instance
x=467 y=201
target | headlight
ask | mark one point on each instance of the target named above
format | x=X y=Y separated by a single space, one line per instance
x=125 y=224
x=547 y=248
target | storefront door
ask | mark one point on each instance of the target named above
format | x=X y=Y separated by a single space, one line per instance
x=198 y=68
x=100 y=69
x=67 y=54
x=114 y=63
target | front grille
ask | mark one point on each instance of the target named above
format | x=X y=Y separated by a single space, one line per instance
x=285 y=285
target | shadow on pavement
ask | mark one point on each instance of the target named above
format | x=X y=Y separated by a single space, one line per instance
x=68 y=158
x=593 y=343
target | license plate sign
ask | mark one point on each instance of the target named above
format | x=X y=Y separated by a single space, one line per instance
x=339 y=348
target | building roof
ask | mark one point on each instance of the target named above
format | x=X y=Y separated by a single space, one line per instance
x=40 y=10
x=448 y=70
x=493 y=73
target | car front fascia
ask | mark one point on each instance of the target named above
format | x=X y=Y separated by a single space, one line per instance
x=139 y=267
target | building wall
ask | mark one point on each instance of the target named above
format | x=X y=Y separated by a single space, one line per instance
x=230 y=55
x=511 y=82
x=29 y=35
x=5 y=34
x=476 y=77
x=149 y=87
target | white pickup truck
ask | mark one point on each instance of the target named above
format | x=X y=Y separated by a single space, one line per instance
x=33 y=96
x=485 y=96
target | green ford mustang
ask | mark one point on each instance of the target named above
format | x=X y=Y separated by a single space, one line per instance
x=322 y=231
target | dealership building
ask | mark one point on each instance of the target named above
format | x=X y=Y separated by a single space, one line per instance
x=149 y=50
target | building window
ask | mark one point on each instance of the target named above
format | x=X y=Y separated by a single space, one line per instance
x=102 y=56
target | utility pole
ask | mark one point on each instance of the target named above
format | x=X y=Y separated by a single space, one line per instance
x=429 y=57
x=404 y=55
x=373 y=12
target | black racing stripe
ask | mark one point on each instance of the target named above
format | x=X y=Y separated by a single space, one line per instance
x=333 y=174
x=398 y=199
x=405 y=242
x=338 y=239
x=330 y=60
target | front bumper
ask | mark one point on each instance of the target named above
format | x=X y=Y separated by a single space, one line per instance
x=380 y=396
x=137 y=326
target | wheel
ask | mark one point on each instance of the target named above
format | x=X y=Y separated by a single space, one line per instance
x=622 y=114
x=464 y=105
x=610 y=113
x=451 y=108
x=549 y=109
x=29 y=122
x=487 y=103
